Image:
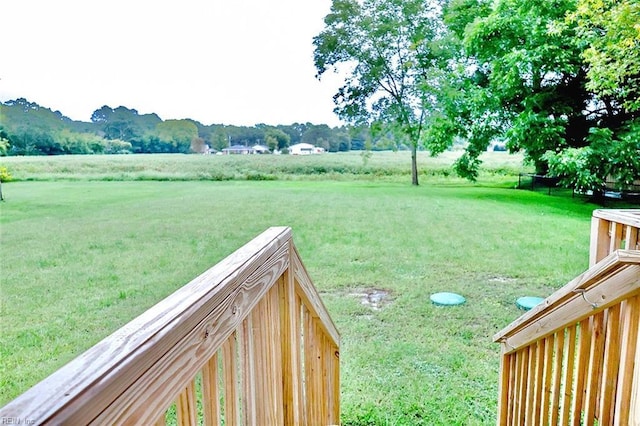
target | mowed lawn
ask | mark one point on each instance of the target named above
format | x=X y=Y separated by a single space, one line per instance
x=80 y=259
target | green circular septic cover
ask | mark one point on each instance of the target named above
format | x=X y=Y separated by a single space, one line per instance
x=447 y=299
x=528 y=302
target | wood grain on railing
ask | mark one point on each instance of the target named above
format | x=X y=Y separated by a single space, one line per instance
x=247 y=342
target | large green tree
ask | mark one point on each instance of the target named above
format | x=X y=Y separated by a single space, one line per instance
x=514 y=80
x=390 y=51
x=526 y=75
x=610 y=32
x=276 y=139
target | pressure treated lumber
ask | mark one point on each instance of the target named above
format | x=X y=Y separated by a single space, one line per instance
x=232 y=341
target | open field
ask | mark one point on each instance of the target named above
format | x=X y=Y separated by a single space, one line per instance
x=81 y=258
x=389 y=166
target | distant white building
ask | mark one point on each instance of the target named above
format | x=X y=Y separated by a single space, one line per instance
x=261 y=149
x=304 y=149
x=238 y=149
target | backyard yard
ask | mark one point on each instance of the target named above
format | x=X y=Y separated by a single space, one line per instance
x=87 y=248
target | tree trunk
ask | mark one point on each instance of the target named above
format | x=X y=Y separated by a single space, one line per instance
x=414 y=165
x=1 y=197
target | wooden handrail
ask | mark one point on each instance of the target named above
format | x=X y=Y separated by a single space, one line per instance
x=575 y=358
x=610 y=281
x=251 y=331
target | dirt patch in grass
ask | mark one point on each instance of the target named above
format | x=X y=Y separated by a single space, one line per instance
x=502 y=280
x=373 y=298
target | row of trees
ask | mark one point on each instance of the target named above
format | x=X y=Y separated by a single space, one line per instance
x=30 y=129
x=556 y=79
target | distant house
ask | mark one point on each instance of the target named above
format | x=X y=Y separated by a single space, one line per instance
x=304 y=149
x=261 y=149
x=238 y=149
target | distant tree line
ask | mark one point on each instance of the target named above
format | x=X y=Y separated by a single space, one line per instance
x=30 y=129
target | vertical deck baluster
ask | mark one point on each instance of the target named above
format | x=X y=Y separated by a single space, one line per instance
x=316 y=379
x=538 y=383
x=517 y=356
x=600 y=240
x=557 y=377
x=522 y=385
x=530 y=388
x=290 y=343
x=309 y=366
x=617 y=232
x=584 y=347
x=611 y=364
x=304 y=385
x=235 y=333
x=503 y=384
x=634 y=411
x=334 y=413
x=548 y=370
x=231 y=391
x=186 y=406
x=595 y=365
x=273 y=376
x=251 y=366
x=324 y=361
x=511 y=395
x=210 y=394
x=569 y=366
x=630 y=326
x=260 y=354
x=631 y=239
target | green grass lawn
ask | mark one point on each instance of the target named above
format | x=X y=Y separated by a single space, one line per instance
x=81 y=258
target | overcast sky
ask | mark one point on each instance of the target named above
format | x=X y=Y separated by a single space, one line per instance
x=238 y=62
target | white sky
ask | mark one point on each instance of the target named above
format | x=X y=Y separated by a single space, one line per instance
x=238 y=62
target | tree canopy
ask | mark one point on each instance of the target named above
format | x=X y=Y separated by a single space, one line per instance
x=539 y=76
x=610 y=34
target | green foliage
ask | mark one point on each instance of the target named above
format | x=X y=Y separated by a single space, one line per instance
x=4 y=146
x=177 y=133
x=606 y=158
x=124 y=123
x=320 y=136
x=29 y=129
x=390 y=49
x=5 y=175
x=524 y=81
x=521 y=78
x=276 y=139
x=610 y=31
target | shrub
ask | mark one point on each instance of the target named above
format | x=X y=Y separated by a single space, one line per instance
x=5 y=175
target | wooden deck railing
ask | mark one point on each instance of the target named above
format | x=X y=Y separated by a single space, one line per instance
x=247 y=342
x=575 y=358
x=612 y=230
